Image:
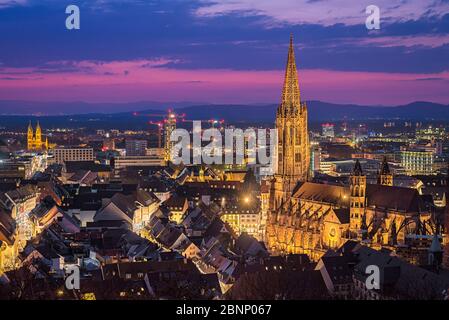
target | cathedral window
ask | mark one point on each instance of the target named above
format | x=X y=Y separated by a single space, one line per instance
x=297 y=157
x=356 y=191
x=292 y=135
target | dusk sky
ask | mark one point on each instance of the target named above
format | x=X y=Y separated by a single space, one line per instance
x=224 y=51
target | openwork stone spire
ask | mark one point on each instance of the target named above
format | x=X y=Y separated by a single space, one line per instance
x=357 y=169
x=290 y=92
x=384 y=168
x=293 y=149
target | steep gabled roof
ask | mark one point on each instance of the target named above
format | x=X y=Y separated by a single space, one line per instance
x=390 y=197
x=380 y=196
x=338 y=268
x=323 y=192
x=124 y=203
x=145 y=197
x=342 y=215
x=175 y=201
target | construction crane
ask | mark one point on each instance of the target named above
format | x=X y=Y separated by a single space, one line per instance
x=161 y=125
x=167 y=124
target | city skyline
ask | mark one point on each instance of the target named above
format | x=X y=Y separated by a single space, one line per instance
x=193 y=155
x=215 y=52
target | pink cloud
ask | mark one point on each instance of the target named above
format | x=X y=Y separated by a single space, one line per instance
x=136 y=80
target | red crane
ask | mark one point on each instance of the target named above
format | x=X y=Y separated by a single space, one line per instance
x=170 y=114
x=160 y=124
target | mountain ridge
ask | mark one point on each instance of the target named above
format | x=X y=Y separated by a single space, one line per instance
x=318 y=110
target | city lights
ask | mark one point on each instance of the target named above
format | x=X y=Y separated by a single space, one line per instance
x=224 y=157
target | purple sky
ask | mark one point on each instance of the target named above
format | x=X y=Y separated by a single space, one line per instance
x=224 y=51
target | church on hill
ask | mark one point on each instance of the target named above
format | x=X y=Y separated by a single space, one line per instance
x=311 y=218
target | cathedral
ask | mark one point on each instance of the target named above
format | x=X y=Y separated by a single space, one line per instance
x=311 y=218
x=293 y=163
x=34 y=141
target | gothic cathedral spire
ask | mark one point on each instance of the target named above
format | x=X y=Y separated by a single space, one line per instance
x=293 y=163
x=290 y=91
x=385 y=177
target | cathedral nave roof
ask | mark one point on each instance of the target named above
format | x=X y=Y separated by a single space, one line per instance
x=380 y=196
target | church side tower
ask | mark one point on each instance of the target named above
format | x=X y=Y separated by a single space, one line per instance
x=357 y=198
x=385 y=177
x=38 y=137
x=293 y=160
x=30 y=137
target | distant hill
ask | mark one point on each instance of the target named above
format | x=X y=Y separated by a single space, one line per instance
x=16 y=107
x=413 y=111
x=320 y=111
x=123 y=115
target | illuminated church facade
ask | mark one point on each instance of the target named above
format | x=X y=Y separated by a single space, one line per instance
x=311 y=218
x=34 y=139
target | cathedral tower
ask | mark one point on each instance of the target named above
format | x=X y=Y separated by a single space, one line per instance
x=357 y=198
x=385 y=177
x=293 y=163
